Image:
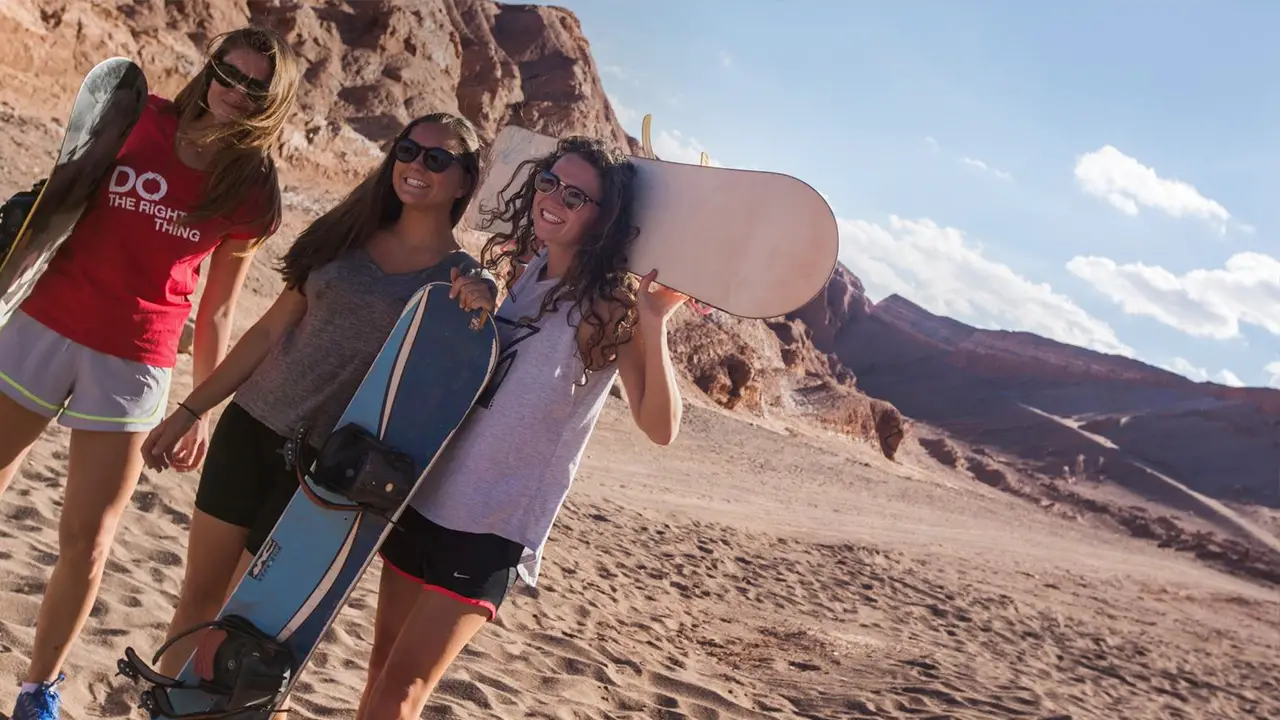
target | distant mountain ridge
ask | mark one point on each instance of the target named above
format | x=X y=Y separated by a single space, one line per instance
x=978 y=384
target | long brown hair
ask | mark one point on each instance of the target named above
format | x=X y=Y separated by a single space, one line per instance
x=599 y=270
x=243 y=164
x=373 y=204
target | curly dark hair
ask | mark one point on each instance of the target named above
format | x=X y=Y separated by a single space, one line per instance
x=598 y=277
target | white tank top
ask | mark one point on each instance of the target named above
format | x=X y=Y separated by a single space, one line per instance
x=508 y=468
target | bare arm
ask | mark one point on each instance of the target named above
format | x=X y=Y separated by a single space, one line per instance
x=248 y=352
x=215 y=317
x=649 y=377
x=644 y=361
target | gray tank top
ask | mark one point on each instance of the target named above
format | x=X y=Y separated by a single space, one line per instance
x=316 y=368
x=509 y=467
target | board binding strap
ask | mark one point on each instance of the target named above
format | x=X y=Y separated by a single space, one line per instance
x=248 y=672
x=357 y=466
x=356 y=484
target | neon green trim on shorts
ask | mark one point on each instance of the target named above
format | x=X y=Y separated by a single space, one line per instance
x=102 y=418
x=62 y=409
x=30 y=395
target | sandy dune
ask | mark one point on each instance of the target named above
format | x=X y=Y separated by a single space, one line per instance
x=1214 y=512
x=743 y=573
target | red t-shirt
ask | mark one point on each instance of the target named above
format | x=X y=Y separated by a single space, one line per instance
x=120 y=284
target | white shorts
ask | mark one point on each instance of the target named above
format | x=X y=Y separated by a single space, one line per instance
x=85 y=389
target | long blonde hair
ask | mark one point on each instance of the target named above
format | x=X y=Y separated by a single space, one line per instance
x=243 y=163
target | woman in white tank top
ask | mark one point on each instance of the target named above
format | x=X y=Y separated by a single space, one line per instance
x=572 y=321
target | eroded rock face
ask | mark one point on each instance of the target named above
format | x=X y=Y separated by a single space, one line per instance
x=995 y=388
x=772 y=368
x=842 y=303
x=737 y=363
x=371 y=66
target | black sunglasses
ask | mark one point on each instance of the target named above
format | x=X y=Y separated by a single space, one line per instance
x=574 y=198
x=229 y=76
x=435 y=159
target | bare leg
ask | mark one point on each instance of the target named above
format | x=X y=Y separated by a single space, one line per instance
x=437 y=628
x=216 y=559
x=19 y=429
x=397 y=596
x=102 y=474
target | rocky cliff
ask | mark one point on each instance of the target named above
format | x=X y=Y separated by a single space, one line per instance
x=1054 y=405
x=371 y=66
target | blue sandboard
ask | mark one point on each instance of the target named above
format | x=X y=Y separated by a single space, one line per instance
x=421 y=386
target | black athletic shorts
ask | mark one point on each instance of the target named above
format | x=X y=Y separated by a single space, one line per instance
x=245 y=481
x=478 y=569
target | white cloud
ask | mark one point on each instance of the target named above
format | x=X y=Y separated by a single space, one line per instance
x=940 y=270
x=615 y=71
x=672 y=145
x=827 y=198
x=1273 y=369
x=1226 y=377
x=1126 y=183
x=1201 y=303
x=1183 y=367
x=667 y=144
x=986 y=168
x=726 y=60
x=968 y=161
x=626 y=116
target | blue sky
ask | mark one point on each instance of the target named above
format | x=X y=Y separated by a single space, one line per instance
x=1100 y=173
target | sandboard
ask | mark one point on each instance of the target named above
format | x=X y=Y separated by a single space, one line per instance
x=423 y=383
x=110 y=101
x=754 y=244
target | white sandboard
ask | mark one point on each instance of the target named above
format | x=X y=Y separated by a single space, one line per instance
x=753 y=244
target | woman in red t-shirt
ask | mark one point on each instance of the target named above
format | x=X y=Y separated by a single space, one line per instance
x=95 y=343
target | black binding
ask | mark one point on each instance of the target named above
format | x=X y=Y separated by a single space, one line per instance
x=357 y=465
x=251 y=673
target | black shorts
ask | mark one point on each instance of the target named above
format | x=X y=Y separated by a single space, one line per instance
x=245 y=481
x=478 y=569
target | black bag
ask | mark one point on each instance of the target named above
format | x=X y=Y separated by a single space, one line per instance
x=357 y=465
x=14 y=212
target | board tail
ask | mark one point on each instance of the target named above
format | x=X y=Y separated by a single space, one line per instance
x=249 y=672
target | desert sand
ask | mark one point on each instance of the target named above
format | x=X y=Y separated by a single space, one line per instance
x=754 y=569
x=742 y=572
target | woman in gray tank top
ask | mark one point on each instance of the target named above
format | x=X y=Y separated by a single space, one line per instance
x=572 y=321
x=347 y=278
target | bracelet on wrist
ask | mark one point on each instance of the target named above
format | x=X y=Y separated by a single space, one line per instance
x=187 y=407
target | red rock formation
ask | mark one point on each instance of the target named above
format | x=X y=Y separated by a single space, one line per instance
x=842 y=303
x=980 y=384
x=371 y=66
